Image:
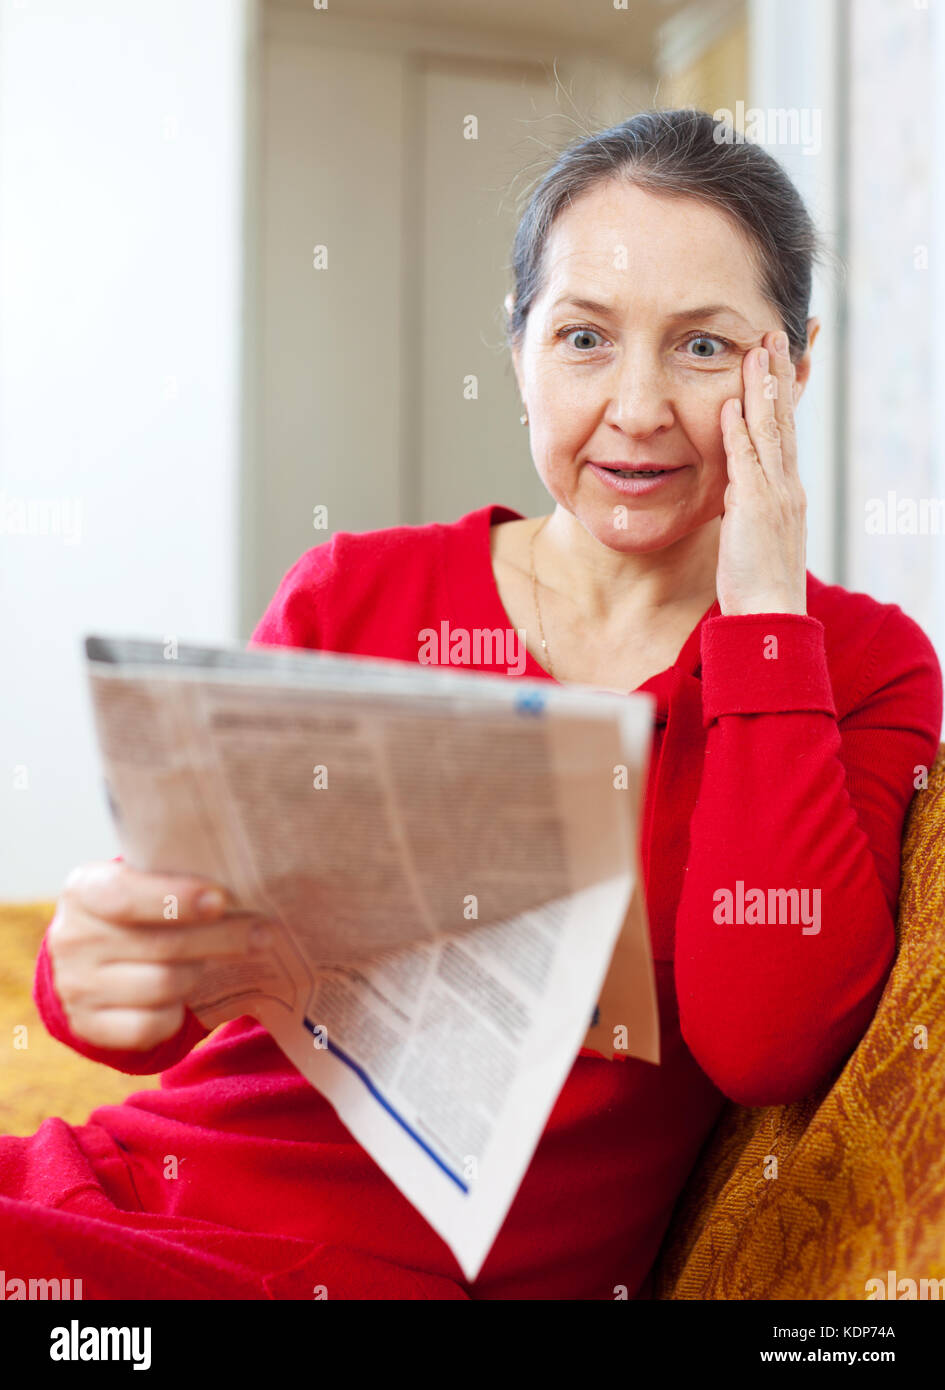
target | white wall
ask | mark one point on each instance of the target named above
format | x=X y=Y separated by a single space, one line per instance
x=794 y=63
x=120 y=300
x=892 y=322
x=895 y=306
x=870 y=421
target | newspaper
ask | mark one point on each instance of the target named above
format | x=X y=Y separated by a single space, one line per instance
x=448 y=861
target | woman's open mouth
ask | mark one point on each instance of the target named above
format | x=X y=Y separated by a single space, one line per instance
x=634 y=482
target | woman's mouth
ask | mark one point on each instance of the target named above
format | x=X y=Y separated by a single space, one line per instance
x=647 y=477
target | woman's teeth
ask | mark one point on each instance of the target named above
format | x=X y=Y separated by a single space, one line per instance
x=641 y=473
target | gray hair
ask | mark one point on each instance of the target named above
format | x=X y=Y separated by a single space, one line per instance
x=678 y=153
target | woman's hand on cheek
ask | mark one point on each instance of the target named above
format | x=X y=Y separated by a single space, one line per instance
x=763 y=540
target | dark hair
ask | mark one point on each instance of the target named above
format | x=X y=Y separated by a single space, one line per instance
x=682 y=153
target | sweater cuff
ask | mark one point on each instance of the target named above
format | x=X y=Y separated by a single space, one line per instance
x=764 y=663
x=131 y=1062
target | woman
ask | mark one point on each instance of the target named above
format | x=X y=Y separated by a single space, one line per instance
x=660 y=340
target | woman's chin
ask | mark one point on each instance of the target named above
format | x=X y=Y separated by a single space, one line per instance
x=630 y=542
x=634 y=526
x=633 y=534
x=639 y=529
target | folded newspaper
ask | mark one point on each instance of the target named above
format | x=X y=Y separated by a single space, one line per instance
x=449 y=863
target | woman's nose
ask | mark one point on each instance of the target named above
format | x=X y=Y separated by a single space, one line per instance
x=639 y=396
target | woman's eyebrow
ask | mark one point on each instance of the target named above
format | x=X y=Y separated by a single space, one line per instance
x=594 y=306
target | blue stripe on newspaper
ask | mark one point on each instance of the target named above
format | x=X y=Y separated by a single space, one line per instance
x=530 y=704
x=360 y=1072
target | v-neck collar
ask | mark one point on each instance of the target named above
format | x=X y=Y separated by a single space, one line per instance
x=477 y=566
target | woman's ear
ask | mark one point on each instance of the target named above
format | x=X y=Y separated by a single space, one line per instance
x=802 y=368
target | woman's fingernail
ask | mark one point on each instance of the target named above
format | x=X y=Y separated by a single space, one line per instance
x=763 y=359
x=781 y=343
x=737 y=407
x=210 y=902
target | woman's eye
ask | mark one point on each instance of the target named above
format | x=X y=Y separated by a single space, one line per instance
x=578 y=334
x=702 y=342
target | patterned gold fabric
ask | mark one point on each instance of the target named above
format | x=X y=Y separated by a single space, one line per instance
x=860 y=1185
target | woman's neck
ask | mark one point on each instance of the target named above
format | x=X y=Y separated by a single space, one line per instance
x=600 y=581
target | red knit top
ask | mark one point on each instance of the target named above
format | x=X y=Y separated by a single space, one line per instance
x=776 y=764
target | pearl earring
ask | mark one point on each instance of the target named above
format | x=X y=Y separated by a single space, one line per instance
x=524 y=418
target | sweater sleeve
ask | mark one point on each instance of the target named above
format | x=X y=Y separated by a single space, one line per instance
x=776 y=988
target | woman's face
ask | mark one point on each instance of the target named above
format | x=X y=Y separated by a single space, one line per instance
x=640 y=377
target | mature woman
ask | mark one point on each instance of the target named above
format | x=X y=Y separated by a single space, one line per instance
x=660 y=340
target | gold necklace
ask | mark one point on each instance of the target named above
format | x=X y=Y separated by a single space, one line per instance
x=541 y=628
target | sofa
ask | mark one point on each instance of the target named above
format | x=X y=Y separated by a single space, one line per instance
x=854 y=1206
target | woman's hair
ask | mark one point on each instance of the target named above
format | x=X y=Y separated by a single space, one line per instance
x=678 y=154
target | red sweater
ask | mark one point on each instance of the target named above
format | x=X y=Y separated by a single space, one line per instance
x=786 y=771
